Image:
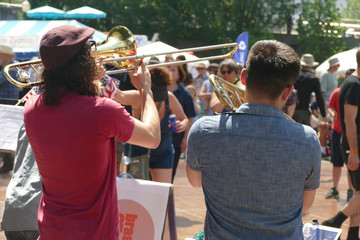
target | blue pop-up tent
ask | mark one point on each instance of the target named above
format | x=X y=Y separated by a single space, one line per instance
x=24 y=36
x=46 y=12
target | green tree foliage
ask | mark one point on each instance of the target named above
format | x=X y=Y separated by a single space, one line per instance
x=317 y=32
x=352 y=10
x=203 y=21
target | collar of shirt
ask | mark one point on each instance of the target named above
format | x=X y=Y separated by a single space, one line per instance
x=263 y=110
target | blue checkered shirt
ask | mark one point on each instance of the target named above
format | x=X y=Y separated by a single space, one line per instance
x=255 y=165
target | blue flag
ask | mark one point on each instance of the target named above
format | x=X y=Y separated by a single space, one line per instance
x=240 y=55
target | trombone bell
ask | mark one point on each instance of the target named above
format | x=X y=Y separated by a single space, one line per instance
x=120 y=43
x=230 y=95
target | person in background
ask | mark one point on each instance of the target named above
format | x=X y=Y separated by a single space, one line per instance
x=229 y=71
x=206 y=90
x=213 y=68
x=162 y=157
x=328 y=83
x=305 y=85
x=349 y=102
x=195 y=99
x=201 y=77
x=290 y=104
x=188 y=77
x=186 y=101
x=7 y=89
x=336 y=158
x=241 y=159
x=23 y=194
x=72 y=133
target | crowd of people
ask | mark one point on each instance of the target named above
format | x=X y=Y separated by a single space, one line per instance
x=65 y=165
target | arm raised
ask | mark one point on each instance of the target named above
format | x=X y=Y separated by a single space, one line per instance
x=147 y=130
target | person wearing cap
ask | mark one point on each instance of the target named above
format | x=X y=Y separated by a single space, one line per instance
x=206 y=90
x=328 y=81
x=72 y=133
x=305 y=85
x=154 y=60
x=7 y=89
x=201 y=77
x=349 y=109
x=213 y=68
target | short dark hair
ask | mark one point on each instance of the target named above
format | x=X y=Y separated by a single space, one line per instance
x=271 y=66
x=349 y=72
x=77 y=75
x=358 y=57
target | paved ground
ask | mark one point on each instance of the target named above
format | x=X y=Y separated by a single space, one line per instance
x=190 y=206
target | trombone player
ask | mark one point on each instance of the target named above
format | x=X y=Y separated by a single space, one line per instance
x=72 y=132
x=265 y=169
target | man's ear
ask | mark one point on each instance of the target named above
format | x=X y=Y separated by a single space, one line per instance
x=243 y=76
x=286 y=93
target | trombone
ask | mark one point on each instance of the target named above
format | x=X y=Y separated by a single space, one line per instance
x=231 y=95
x=120 y=50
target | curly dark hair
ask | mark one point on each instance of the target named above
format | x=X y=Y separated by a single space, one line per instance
x=77 y=75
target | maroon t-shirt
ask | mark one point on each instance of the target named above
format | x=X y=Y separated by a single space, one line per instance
x=74 y=147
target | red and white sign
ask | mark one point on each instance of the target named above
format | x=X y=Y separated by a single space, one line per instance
x=142 y=208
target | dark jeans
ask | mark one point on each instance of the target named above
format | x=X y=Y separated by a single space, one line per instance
x=21 y=235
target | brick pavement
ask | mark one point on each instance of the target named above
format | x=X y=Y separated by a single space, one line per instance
x=190 y=206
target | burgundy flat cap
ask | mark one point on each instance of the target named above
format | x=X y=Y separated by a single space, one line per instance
x=61 y=43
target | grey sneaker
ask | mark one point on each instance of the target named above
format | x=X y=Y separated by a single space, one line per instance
x=332 y=193
x=350 y=194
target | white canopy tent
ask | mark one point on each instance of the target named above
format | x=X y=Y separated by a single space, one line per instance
x=160 y=47
x=347 y=60
x=24 y=36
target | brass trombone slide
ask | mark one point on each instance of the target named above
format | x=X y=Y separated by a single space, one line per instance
x=120 y=50
x=196 y=49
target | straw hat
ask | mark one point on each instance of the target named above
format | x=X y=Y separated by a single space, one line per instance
x=308 y=60
x=200 y=65
x=333 y=62
x=6 y=50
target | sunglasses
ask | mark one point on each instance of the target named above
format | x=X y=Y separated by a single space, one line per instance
x=223 y=72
